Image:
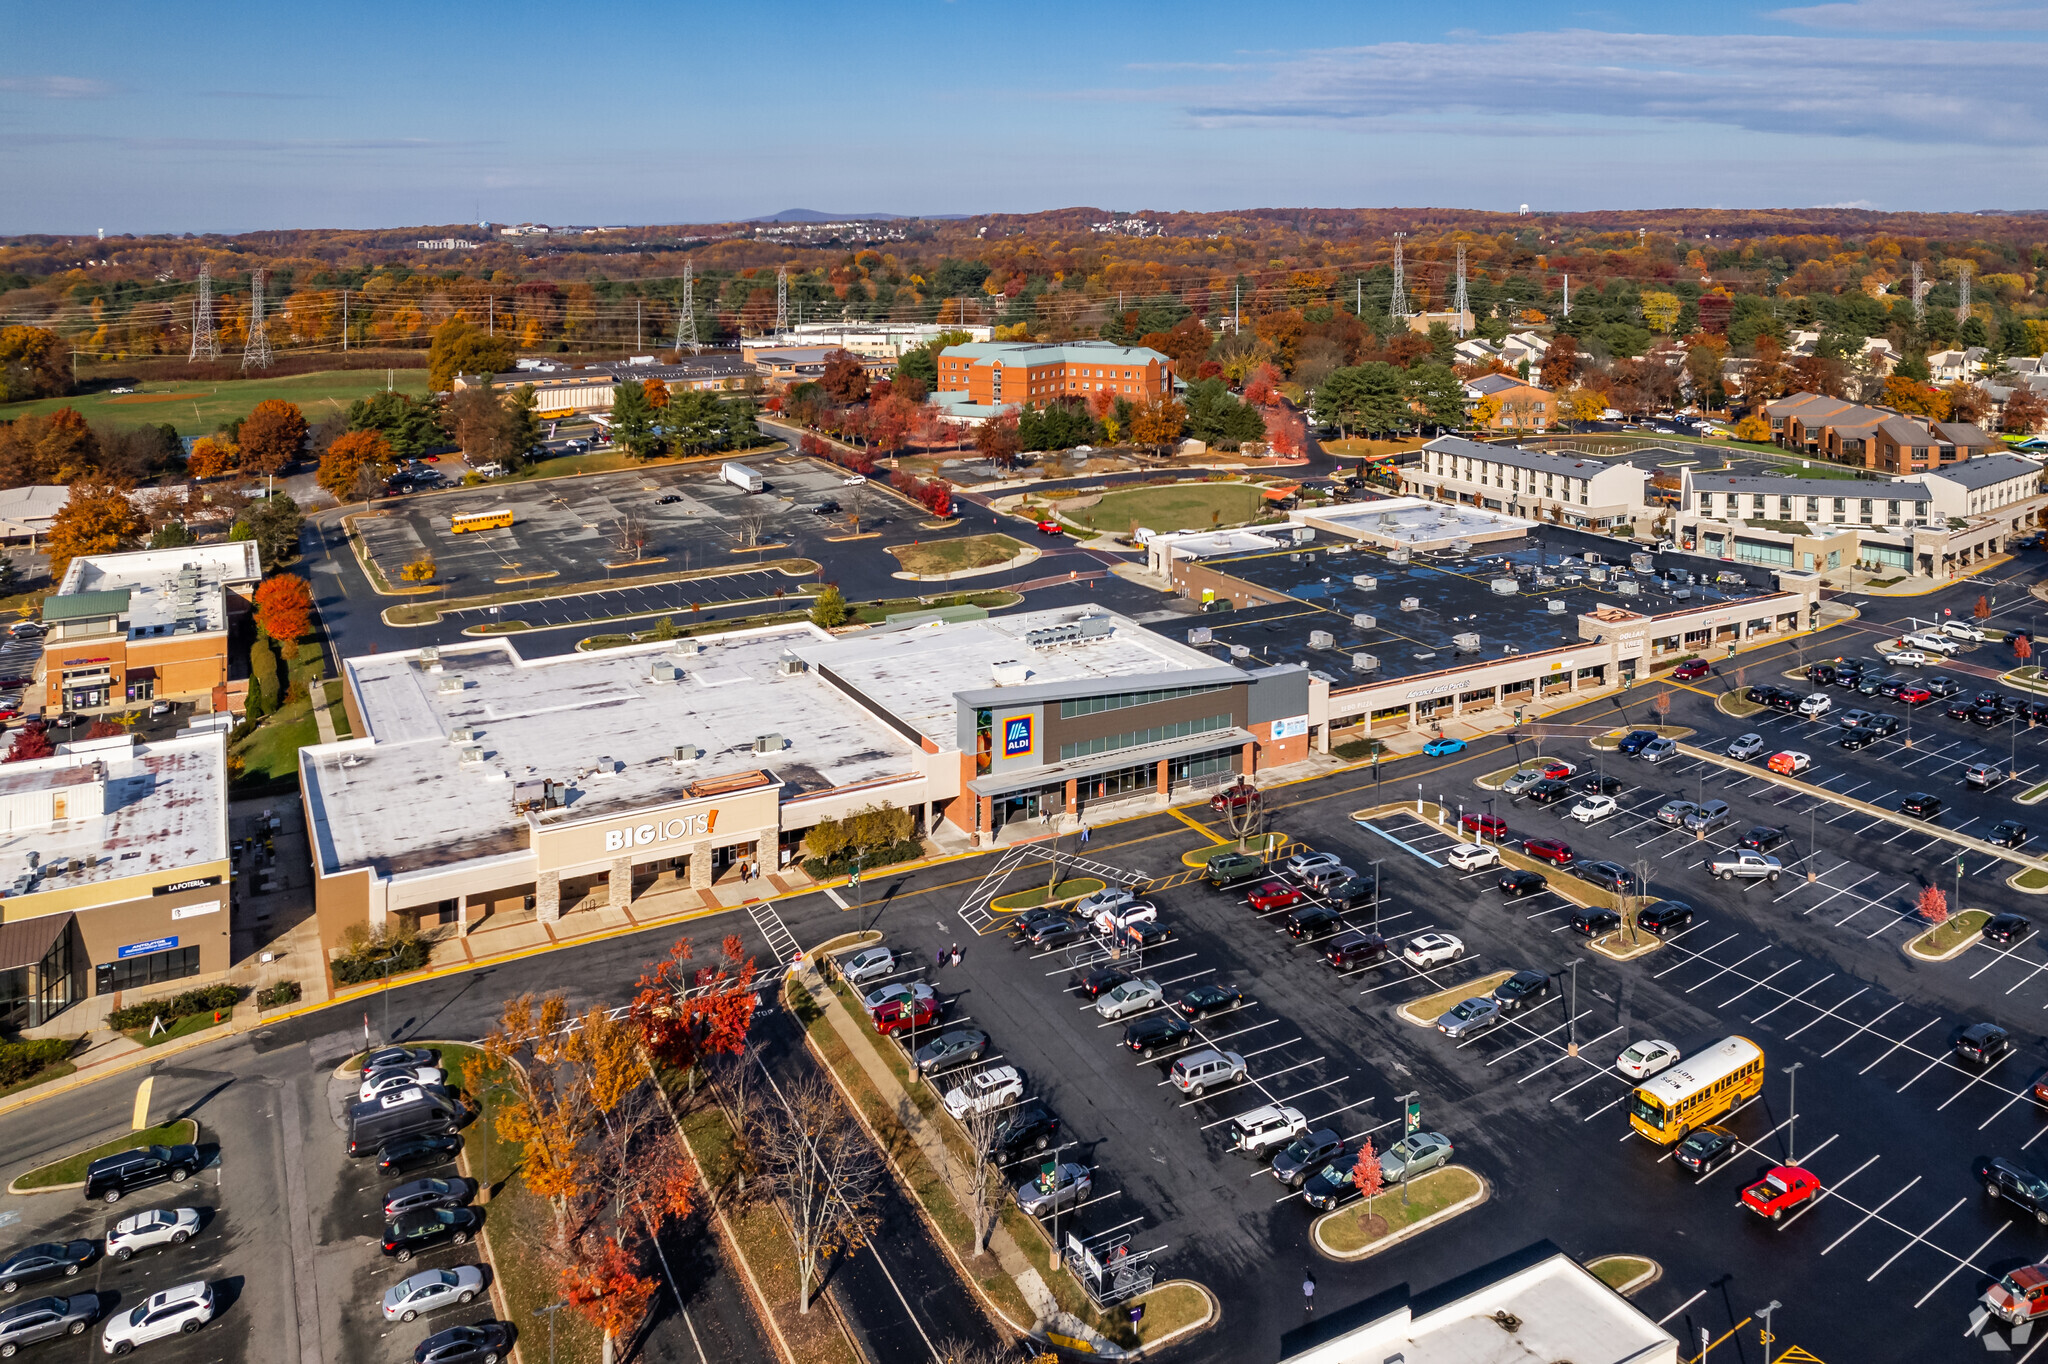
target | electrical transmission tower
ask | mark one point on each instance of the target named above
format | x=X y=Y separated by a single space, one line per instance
x=782 y=300
x=1460 y=305
x=1567 y=296
x=1963 y=292
x=256 y=354
x=205 y=341
x=1919 y=295
x=686 y=320
x=1397 y=306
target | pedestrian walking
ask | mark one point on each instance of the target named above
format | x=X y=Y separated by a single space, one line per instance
x=956 y=954
x=1308 y=1292
x=939 y=957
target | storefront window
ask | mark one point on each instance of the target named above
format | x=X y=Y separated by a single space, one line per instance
x=984 y=741
x=32 y=995
x=152 y=968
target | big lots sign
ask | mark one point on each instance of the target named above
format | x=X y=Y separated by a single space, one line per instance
x=698 y=825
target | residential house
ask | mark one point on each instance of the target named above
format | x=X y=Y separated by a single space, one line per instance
x=1947 y=366
x=1519 y=406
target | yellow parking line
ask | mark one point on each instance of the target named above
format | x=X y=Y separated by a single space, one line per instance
x=1175 y=812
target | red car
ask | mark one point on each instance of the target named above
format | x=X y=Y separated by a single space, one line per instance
x=1914 y=696
x=1557 y=769
x=1491 y=825
x=1234 y=797
x=1691 y=670
x=1274 y=895
x=1555 y=851
x=898 y=1014
x=1785 y=1187
x=1050 y=528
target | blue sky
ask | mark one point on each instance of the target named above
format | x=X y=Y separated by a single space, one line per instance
x=239 y=117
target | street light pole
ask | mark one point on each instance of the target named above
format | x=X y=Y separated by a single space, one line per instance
x=1792 y=1116
x=1376 y=894
x=1765 y=1313
x=549 y=1313
x=385 y=962
x=1053 y=1260
x=1572 y=1012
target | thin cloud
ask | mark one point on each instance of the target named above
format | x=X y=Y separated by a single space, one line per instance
x=258 y=94
x=1916 y=16
x=57 y=87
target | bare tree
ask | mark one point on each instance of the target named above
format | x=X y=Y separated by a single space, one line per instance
x=1244 y=812
x=824 y=1172
x=629 y=537
x=753 y=527
x=855 y=505
x=985 y=1187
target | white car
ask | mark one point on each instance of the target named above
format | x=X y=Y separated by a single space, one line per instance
x=1931 y=642
x=1472 y=856
x=1593 y=807
x=1307 y=864
x=175 y=1311
x=1432 y=949
x=1958 y=629
x=381 y=1082
x=430 y=1290
x=1264 y=1128
x=855 y=481
x=1133 y=996
x=867 y=964
x=1816 y=705
x=991 y=1088
x=157 y=1227
x=1908 y=658
x=1645 y=1059
x=1138 y=912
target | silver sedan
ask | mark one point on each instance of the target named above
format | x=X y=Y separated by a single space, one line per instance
x=432 y=1289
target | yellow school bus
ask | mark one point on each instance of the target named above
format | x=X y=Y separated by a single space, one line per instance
x=489 y=520
x=1697 y=1090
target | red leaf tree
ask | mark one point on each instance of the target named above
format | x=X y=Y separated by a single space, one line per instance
x=30 y=741
x=1934 y=905
x=687 y=1012
x=2022 y=648
x=284 y=608
x=1366 y=1176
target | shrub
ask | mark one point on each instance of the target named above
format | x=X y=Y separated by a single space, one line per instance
x=22 y=1060
x=201 y=1001
x=363 y=951
x=278 y=995
x=821 y=869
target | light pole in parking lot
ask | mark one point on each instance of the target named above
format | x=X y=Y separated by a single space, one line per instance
x=385 y=962
x=1572 y=1011
x=1053 y=1260
x=1765 y=1313
x=1792 y=1113
x=1376 y=894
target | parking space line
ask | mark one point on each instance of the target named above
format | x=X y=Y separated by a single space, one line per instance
x=1857 y=1029
x=1729 y=1002
x=1536 y=1037
x=1961 y=1265
x=1825 y=1013
x=1896 y=1045
x=1834 y=1188
x=1921 y=1239
x=1726 y=969
x=1788 y=999
x=1567 y=1056
x=1896 y=1195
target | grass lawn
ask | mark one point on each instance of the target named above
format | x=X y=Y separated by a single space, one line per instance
x=1354 y=1228
x=1351 y=447
x=2033 y=878
x=43 y=1076
x=1429 y=1008
x=197 y=408
x=71 y=1169
x=1040 y=895
x=176 y=1028
x=1616 y=1270
x=1265 y=845
x=1171 y=507
x=273 y=750
x=874 y=612
x=954 y=556
x=1735 y=704
x=1950 y=934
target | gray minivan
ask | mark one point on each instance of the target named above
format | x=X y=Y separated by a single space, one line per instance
x=1709 y=817
x=409 y=1112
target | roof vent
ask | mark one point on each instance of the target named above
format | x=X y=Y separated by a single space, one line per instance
x=1465 y=644
x=1365 y=582
x=1010 y=672
x=1200 y=634
x=1365 y=663
x=664 y=670
x=448 y=686
x=1628 y=588
x=770 y=743
x=1597 y=574
x=1546 y=580
x=461 y=736
x=1461 y=546
x=1321 y=639
x=1411 y=603
x=430 y=653
x=1506 y=587
x=1556 y=606
x=354 y=760
x=1398 y=555
x=1240 y=651
x=1365 y=622
x=470 y=754
x=1294 y=558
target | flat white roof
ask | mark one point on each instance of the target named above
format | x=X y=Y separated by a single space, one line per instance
x=1412 y=520
x=168 y=586
x=165 y=808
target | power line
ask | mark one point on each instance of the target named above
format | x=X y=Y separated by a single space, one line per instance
x=1919 y=295
x=256 y=354
x=1963 y=291
x=1397 y=306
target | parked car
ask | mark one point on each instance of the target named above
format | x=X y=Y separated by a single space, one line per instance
x=1853 y=739
x=1473 y=856
x=483 y=1343
x=1414 y=1154
x=1201 y=1071
x=1941 y=686
x=1101 y=980
x=1204 y=1001
x=1147 y=933
x=1816 y=705
x=2021 y=1296
x=2007 y=833
x=1554 y=851
x=48 y=1260
x=1265 y=1127
x=1643 y=1059
x=1659 y=750
x=1321 y=880
x=424 y=1148
x=1044 y=1194
x=1852 y=718
x=157 y=1227
x=1517 y=883
x=1557 y=769
x=41 y=1319
x=1708 y=816
x=1704 y=1148
x=109 y=1177
x=1746 y=747
x=430 y=1290
x=1311 y=922
x=1308 y=863
x=1761 y=838
x=1663 y=916
x=1982 y=1045
x=1131 y=997
x=1030 y=1126
x=1234 y=797
x=1490 y=826
x=2014 y=1183
x=1881 y=726
x=1983 y=776
x=1470 y=1016
x=1549 y=791
x=1522 y=781
x=1592 y=922
x=1158 y=1032
x=1962 y=629
x=1355 y=949
x=895 y=1016
x=409 y=1234
x=1920 y=805
x=1592 y=809
x=1442 y=748
x=1057 y=930
x=175 y=1311
x=1692 y=670
x=1294 y=1162
x=1522 y=990
x=2007 y=928
x=870 y=963
x=1633 y=741
x=1910 y=658
x=1432 y=949
x=1784 y=1188
x=1608 y=876
x=1332 y=1185
x=1913 y=694
x=1789 y=763
x=953 y=1047
x=1274 y=895
x=1750 y=866
x=378 y=1083
x=1595 y=784
x=901 y=992
x=1672 y=813
x=985 y=1090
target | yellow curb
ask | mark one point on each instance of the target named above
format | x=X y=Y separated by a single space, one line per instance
x=1464 y=1204
x=1276 y=843
x=1180 y=815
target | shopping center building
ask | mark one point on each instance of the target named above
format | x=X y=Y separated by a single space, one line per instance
x=489 y=784
x=147 y=624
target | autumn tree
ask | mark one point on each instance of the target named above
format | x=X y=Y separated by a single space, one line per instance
x=1966 y=401
x=1982 y=610
x=2023 y=412
x=657 y=393
x=1660 y=309
x=420 y=570
x=97 y=518
x=1187 y=344
x=31 y=741
x=1933 y=906
x=2022 y=648
x=271 y=436
x=353 y=462
x=284 y=608
x=1583 y=405
x=1366 y=1175
x=687 y=1012
x=34 y=363
x=828 y=608
x=1910 y=395
x=461 y=347
x=822 y=1169
x=212 y=457
x=1561 y=361
x=1262 y=386
x=1159 y=422
x=55 y=448
x=1755 y=428
x=844 y=380
x=997 y=441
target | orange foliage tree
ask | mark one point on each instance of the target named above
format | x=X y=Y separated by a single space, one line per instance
x=210 y=458
x=272 y=435
x=284 y=608
x=1933 y=905
x=686 y=1012
x=355 y=461
x=98 y=518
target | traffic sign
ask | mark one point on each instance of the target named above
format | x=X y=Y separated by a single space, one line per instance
x=1414 y=1116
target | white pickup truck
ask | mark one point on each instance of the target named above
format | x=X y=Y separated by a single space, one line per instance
x=1746 y=864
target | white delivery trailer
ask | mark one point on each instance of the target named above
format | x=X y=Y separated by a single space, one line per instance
x=741 y=477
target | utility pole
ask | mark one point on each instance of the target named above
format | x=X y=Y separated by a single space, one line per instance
x=1567 y=295
x=344 y=322
x=1572 y=1010
x=256 y=354
x=1236 y=316
x=1963 y=292
x=1460 y=305
x=1792 y=1116
x=639 y=332
x=491 y=316
x=205 y=340
x=686 y=320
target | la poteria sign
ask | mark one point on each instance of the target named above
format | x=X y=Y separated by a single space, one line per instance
x=697 y=825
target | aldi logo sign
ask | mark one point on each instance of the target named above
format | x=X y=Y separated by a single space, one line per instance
x=1017 y=736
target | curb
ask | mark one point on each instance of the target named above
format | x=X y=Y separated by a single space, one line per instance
x=12 y=1185
x=1906 y=948
x=1642 y=1280
x=1472 y=1200
x=1401 y=1011
x=1215 y=1315
x=1028 y=556
x=2013 y=883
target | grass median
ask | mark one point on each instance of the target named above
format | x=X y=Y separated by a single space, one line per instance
x=1956 y=931
x=429 y=612
x=1072 y=889
x=1620 y=1271
x=1426 y=1010
x=71 y=1169
x=959 y=555
x=1358 y=1228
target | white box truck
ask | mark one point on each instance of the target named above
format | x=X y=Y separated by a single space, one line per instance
x=741 y=477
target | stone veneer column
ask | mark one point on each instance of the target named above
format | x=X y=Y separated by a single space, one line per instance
x=547 y=896
x=462 y=915
x=700 y=867
x=620 y=882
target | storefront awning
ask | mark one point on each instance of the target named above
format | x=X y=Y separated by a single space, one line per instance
x=25 y=942
x=1058 y=774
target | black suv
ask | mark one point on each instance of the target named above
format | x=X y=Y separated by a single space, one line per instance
x=409 y=1233
x=1353 y=950
x=1663 y=916
x=2009 y=1180
x=2007 y=833
x=1294 y=1162
x=1762 y=838
x=1521 y=991
x=1312 y=922
x=1920 y=805
x=111 y=1176
x=1982 y=1044
x=1549 y=791
x=1880 y=725
x=1518 y=883
x=1608 y=876
x=1592 y=922
x=428 y=1148
x=1349 y=893
x=1157 y=1032
x=1031 y=1126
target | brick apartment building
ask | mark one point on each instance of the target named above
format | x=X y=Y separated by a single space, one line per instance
x=1873 y=437
x=980 y=379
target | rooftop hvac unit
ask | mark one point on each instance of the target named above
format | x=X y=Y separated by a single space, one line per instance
x=1365 y=663
x=1461 y=546
x=1556 y=606
x=1629 y=588
x=1010 y=672
x=1411 y=603
x=470 y=754
x=686 y=753
x=770 y=743
x=461 y=736
x=1294 y=558
x=1642 y=563
x=1365 y=622
x=1398 y=555
x=448 y=686
x=1546 y=580
x=1592 y=556
x=790 y=665
x=1506 y=587
x=664 y=670
x=1200 y=634
x=1597 y=574
x=1304 y=534
x=1465 y=644
x=1321 y=639
x=1240 y=651
x=430 y=653
x=1365 y=582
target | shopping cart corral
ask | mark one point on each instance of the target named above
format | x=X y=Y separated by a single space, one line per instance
x=1108 y=1269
